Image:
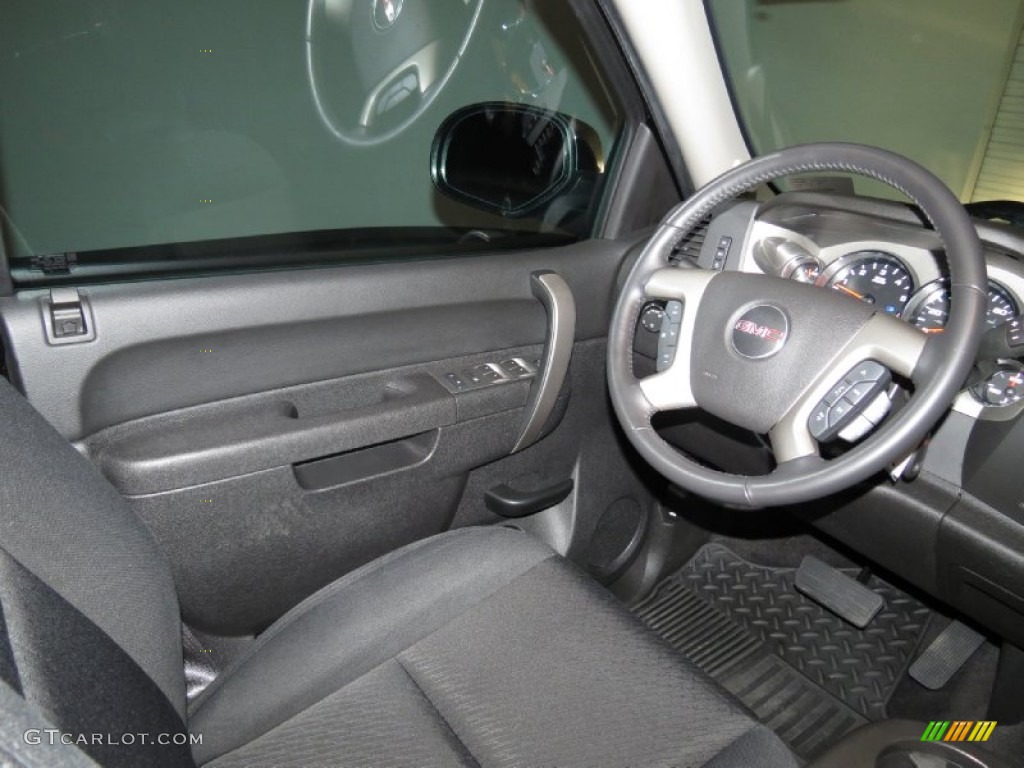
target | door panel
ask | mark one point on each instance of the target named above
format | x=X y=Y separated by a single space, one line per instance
x=278 y=430
x=276 y=329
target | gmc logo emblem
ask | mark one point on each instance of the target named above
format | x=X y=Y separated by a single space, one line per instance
x=760 y=331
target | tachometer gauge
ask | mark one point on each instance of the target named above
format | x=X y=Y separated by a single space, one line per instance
x=873 y=277
x=929 y=309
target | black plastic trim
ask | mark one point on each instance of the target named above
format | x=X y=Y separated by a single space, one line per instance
x=288 y=251
x=642 y=83
x=508 y=502
x=6 y=284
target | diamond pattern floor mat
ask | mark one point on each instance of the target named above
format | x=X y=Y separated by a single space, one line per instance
x=803 y=671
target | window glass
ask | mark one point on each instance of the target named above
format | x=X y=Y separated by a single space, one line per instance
x=941 y=81
x=138 y=123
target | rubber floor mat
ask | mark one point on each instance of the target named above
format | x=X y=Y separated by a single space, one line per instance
x=803 y=671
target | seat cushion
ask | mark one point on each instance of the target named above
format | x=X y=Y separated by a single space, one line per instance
x=477 y=647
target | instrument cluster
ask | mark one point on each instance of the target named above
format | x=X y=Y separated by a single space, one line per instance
x=884 y=280
x=907 y=282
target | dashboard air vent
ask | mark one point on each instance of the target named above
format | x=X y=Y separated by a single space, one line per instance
x=688 y=249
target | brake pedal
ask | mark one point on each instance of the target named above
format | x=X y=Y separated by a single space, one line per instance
x=846 y=597
x=947 y=653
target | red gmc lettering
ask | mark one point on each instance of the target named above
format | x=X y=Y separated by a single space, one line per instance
x=761 y=331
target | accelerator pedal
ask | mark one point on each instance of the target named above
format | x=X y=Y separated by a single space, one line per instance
x=947 y=653
x=846 y=597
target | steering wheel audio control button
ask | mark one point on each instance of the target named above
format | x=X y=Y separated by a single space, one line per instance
x=868 y=371
x=837 y=392
x=669 y=336
x=818 y=423
x=838 y=412
x=860 y=391
x=859 y=397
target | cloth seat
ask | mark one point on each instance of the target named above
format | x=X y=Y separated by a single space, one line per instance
x=475 y=647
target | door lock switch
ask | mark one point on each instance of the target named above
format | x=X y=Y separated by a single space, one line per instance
x=67 y=316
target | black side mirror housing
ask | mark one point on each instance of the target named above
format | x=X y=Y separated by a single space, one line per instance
x=511 y=159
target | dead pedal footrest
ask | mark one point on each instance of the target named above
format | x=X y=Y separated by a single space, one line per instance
x=949 y=651
x=846 y=597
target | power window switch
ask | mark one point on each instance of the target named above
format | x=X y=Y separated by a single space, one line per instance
x=455 y=380
x=514 y=368
x=486 y=373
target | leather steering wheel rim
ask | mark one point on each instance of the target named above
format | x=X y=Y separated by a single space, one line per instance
x=937 y=365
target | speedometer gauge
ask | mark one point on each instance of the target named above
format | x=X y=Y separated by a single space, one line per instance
x=929 y=309
x=873 y=277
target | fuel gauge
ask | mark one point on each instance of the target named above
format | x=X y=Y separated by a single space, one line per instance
x=1002 y=388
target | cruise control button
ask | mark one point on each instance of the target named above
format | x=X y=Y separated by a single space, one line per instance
x=674 y=311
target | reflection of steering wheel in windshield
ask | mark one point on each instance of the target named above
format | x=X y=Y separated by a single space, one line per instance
x=374 y=66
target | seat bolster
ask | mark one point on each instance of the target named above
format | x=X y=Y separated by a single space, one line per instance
x=69 y=527
x=352 y=626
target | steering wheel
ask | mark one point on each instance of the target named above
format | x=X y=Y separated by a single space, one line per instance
x=375 y=66
x=764 y=353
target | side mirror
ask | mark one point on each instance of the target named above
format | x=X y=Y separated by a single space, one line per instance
x=509 y=159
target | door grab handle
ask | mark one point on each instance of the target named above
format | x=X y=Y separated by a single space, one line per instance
x=554 y=293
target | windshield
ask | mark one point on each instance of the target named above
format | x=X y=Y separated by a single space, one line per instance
x=940 y=81
x=128 y=123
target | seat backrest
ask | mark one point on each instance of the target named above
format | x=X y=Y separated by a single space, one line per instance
x=91 y=629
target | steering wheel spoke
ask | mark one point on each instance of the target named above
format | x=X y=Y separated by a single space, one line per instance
x=892 y=342
x=669 y=390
